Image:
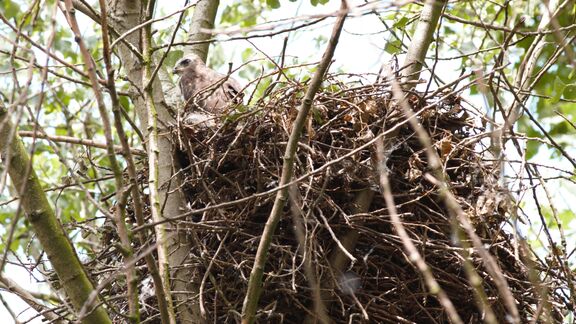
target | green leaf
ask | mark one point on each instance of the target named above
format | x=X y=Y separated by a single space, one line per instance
x=243 y=13
x=557 y=90
x=560 y=128
x=247 y=54
x=61 y=130
x=393 y=47
x=124 y=102
x=532 y=132
x=11 y=9
x=570 y=92
x=320 y=40
x=274 y=4
x=401 y=23
x=172 y=57
x=531 y=149
x=566 y=216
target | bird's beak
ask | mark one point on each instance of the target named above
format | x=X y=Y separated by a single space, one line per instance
x=175 y=71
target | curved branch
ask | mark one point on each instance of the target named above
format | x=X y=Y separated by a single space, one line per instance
x=48 y=229
x=13 y=287
x=255 y=283
x=81 y=141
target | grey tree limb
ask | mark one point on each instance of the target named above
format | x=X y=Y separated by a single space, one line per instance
x=421 y=39
x=203 y=18
x=48 y=229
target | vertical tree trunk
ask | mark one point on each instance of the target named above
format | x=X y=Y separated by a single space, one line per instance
x=125 y=15
x=204 y=17
x=421 y=39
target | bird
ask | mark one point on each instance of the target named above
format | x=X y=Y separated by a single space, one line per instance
x=205 y=89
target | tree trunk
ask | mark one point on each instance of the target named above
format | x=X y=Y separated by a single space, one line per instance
x=125 y=15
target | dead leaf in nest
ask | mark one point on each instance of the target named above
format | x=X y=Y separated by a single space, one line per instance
x=348 y=118
x=368 y=109
x=394 y=114
x=455 y=109
x=493 y=203
x=415 y=165
x=485 y=205
x=414 y=174
x=413 y=100
x=445 y=147
x=428 y=114
x=367 y=136
x=294 y=110
x=310 y=128
x=320 y=113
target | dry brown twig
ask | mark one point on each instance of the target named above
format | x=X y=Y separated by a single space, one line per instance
x=254 y=286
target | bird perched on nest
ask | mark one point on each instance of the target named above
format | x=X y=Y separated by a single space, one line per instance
x=204 y=88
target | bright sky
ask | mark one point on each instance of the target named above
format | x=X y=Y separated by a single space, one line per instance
x=360 y=48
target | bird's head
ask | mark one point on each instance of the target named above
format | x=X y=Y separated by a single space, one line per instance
x=186 y=62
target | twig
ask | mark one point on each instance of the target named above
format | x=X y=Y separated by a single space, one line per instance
x=206 y=274
x=147 y=24
x=153 y=164
x=80 y=141
x=422 y=38
x=254 y=284
x=12 y=286
x=453 y=207
x=300 y=230
x=412 y=251
x=120 y=211
x=133 y=176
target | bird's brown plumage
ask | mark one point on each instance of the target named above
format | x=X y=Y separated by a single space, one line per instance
x=205 y=88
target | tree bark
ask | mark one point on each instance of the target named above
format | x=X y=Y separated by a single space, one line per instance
x=125 y=15
x=421 y=39
x=203 y=18
x=48 y=229
x=186 y=279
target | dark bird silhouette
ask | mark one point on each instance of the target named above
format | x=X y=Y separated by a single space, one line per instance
x=204 y=88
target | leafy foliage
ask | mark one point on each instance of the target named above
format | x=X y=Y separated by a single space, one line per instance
x=474 y=37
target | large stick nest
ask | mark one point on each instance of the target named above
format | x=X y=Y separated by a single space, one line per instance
x=243 y=155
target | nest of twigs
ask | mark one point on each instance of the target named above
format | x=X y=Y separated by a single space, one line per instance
x=324 y=219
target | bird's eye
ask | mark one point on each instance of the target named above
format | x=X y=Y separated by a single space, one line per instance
x=233 y=92
x=185 y=62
